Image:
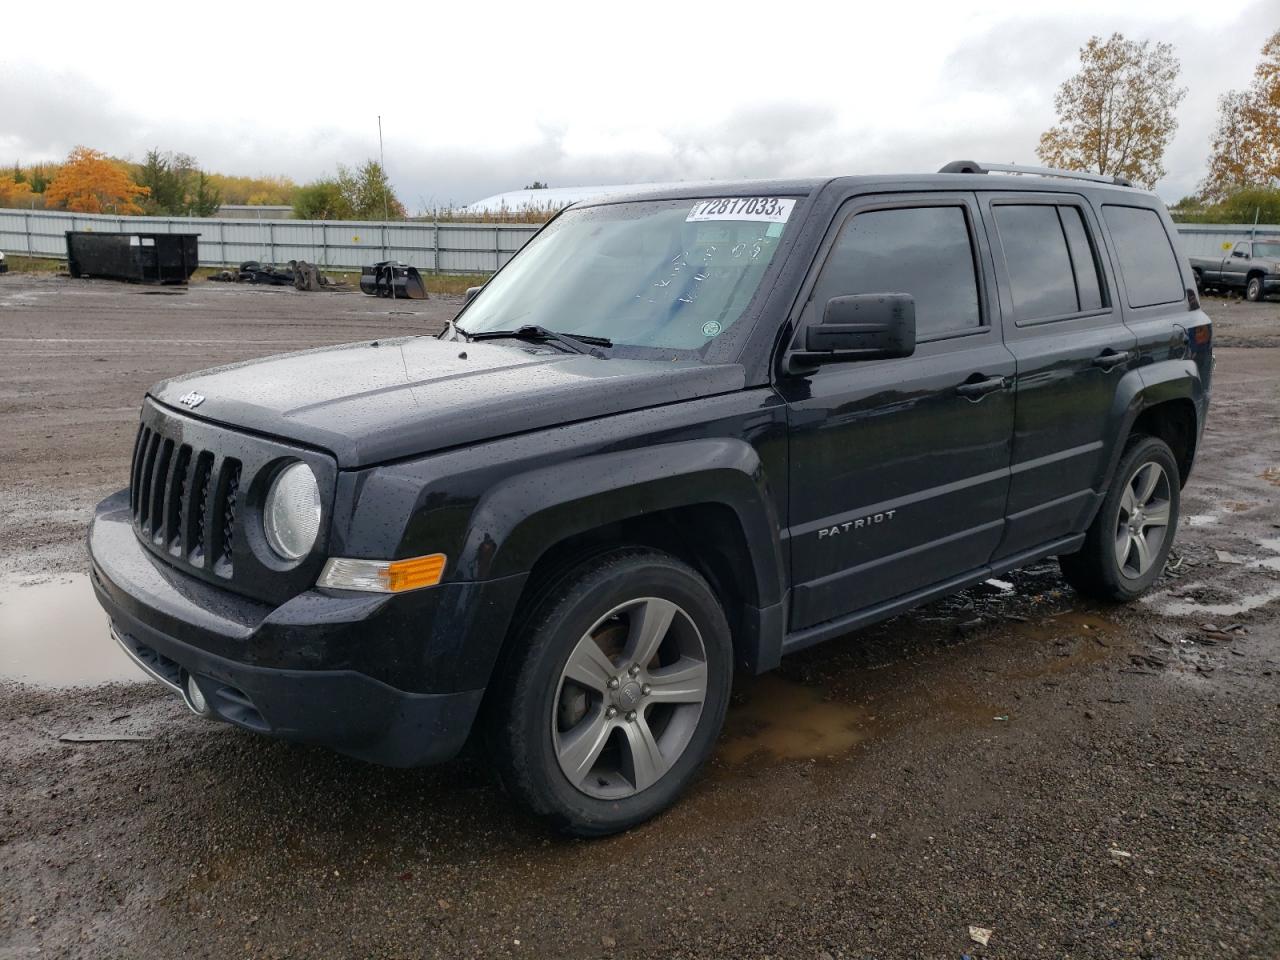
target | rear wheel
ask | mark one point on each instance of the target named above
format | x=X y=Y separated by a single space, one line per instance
x=1129 y=541
x=1253 y=289
x=614 y=694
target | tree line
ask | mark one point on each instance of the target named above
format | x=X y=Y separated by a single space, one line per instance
x=168 y=183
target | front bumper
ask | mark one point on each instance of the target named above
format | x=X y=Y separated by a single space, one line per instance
x=385 y=678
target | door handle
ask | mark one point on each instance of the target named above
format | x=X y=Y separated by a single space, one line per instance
x=1111 y=359
x=978 y=389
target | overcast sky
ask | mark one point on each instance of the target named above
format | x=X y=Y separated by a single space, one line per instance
x=477 y=98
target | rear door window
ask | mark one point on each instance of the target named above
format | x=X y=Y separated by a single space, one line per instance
x=1084 y=258
x=1147 y=262
x=924 y=251
x=1035 y=251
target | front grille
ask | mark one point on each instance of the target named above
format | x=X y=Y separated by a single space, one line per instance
x=195 y=491
x=184 y=500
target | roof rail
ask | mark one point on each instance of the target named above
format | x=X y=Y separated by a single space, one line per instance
x=970 y=166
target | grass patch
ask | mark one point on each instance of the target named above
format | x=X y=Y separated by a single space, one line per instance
x=19 y=264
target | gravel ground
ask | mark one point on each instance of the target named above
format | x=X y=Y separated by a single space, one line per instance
x=1083 y=781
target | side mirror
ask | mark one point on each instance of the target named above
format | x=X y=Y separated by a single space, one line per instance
x=867 y=326
x=471 y=294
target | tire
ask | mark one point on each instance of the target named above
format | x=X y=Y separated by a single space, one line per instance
x=576 y=752
x=1253 y=289
x=1096 y=569
x=1199 y=278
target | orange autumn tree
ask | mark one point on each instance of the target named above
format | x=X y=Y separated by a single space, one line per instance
x=91 y=182
x=14 y=192
x=1246 y=146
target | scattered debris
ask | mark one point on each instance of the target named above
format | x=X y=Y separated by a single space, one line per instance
x=1002 y=717
x=307 y=276
x=393 y=279
x=1117 y=854
x=980 y=935
x=297 y=273
x=96 y=737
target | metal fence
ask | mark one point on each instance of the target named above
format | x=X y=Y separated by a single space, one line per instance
x=1207 y=239
x=438 y=247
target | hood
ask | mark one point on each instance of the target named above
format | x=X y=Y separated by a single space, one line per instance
x=371 y=402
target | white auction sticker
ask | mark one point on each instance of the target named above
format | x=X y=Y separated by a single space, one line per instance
x=759 y=209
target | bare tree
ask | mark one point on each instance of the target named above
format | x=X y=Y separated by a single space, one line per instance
x=1116 y=115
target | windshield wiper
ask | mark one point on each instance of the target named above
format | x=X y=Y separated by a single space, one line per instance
x=531 y=331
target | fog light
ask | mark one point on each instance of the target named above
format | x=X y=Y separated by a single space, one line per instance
x=195 y=699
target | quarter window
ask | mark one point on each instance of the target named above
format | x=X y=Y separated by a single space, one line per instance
x=924 y=251
x=1150 y=270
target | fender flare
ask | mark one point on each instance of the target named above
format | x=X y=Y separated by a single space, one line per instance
x=522 y=517
x=1140 y=390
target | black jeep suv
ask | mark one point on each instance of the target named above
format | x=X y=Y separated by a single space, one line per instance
x=681 y=433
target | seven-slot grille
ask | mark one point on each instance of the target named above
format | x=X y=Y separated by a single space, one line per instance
x=184 y=500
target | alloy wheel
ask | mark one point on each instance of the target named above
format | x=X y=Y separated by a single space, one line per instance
x=1143 y=522
x=629 y=698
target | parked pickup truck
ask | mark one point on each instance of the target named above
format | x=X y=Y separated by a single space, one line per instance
x=681 y=434
x=1252 y=266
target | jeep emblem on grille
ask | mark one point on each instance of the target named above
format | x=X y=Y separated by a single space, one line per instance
x=191 y=399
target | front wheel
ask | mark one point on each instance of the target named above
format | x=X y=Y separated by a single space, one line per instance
x=1253 y=289
x=614 y=694
x=1129 y=540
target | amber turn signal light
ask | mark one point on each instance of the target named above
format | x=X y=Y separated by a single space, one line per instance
x=383 y=576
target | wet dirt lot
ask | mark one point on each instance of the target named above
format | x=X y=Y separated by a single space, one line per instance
x=1084 y=781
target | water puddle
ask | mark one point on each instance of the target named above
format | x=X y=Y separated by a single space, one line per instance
x=55 y=635
x=1184 y=608
x=785 y=720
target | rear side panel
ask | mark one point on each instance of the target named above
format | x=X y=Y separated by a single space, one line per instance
x=1173 y=338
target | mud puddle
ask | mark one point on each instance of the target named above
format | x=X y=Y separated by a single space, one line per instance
x=55 y=635
x=777 y=718
x=781 y=719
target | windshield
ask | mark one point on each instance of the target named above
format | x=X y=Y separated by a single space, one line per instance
x=671 y=274
x=1267 y=250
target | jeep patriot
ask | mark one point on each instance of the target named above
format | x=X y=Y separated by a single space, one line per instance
x=681 y=434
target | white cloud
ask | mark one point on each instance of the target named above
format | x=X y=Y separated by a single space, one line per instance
x=480 y=99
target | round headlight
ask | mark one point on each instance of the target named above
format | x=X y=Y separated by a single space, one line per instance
x=291 y=519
